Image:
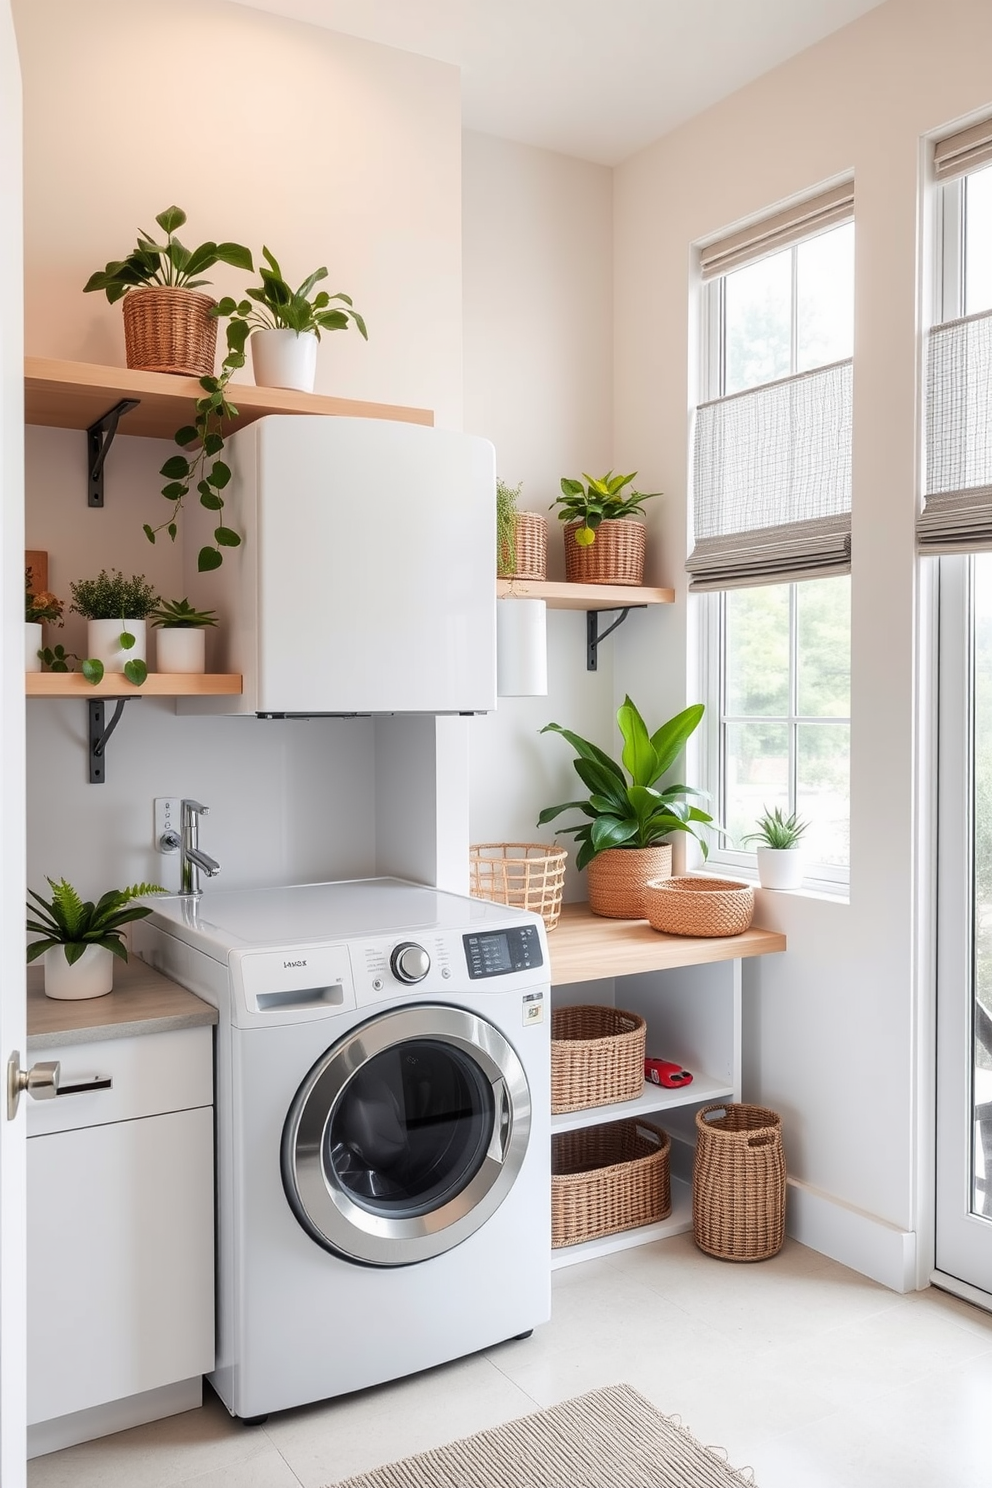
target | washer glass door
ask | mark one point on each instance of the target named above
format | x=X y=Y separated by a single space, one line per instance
x=406 y=1136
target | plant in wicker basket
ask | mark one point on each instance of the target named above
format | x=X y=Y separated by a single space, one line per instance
x=601 y=500
x=170 y=264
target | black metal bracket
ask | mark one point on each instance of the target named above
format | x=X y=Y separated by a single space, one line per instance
x=99 y=438
x=99 y=732
x=594 y=635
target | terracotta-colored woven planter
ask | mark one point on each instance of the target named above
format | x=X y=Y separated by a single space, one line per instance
x=617 y=879
x=169 y=330
x=529 y=560
x=616 y=557
x=609 y=1178
x=738 y=1182
x=699 y=906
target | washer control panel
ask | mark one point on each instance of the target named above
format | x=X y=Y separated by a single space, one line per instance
x=493 y=953
x=409 y=962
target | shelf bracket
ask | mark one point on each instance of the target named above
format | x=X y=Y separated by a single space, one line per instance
x=594 y=635
x=99 y=438
x=99 y=733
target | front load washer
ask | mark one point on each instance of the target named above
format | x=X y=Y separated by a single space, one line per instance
x=383 y=1128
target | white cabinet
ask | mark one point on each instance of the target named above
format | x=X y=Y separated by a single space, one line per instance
x=120 y=1234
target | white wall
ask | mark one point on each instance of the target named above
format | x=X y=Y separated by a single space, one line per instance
x=328 y=150
x=831 y=1028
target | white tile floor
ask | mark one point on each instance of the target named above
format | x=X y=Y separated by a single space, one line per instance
x=804 y=1371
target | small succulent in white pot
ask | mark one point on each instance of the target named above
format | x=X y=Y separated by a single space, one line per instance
x=780 y=854
x=180 y=641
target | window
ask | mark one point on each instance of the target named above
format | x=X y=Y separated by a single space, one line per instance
x=776 y=653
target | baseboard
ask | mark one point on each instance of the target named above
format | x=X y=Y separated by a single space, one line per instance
x=852 y=1236
x=116 y=1415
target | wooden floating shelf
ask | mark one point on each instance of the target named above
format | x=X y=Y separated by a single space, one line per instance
x=74 y=395
x=115 y=684
x=560 y=596
x=585 y=947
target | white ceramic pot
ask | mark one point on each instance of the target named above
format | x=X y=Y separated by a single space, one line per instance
x=91 y=976
x=780 y=867
x=181 y=648
x=103 y=639
x=281 y=358
x=32 y=645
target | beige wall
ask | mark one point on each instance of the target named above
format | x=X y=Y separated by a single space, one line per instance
x=832 y=1037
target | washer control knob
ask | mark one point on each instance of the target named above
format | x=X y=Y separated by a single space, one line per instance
x=410 y=962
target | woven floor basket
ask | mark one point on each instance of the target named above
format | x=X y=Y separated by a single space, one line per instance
x=616 y=557
x=525 y=875
x=608 y=1178
x=738 y=1182
x=597 y=1057
x=699 y=906
x=169 y=330
x=616 y=879
x=529 y=560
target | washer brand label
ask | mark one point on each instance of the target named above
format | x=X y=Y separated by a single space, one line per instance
x=533 y=1008
x=288 y=964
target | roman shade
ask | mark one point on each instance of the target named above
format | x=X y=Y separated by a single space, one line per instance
x=814 y=215
x=965 y=151
x=957 y=512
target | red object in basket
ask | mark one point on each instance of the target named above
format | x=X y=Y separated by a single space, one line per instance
x=663 y=1072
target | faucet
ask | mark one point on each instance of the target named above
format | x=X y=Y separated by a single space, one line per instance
x=192 y=858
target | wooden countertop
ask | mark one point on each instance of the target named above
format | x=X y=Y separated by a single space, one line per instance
x=585 y=947
x=143 y=1001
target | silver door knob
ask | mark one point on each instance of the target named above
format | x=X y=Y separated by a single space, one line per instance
x=40 y=1081
x=410 y=962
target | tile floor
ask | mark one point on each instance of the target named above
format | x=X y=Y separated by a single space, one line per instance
x=804 y=1371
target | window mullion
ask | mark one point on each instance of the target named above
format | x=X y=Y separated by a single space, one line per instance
x=793 y=696
x=794 y=316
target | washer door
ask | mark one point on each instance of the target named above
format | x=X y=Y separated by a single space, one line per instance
x=406 y=1136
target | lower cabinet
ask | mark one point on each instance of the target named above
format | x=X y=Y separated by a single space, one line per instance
x=120 y=1232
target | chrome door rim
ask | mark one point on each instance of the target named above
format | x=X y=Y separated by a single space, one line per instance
x=329 y=1214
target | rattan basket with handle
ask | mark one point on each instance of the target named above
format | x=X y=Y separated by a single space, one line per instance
x=597 y=1056
x=738 y=1182
x=525 y=875
x=169 y=330
x=608 y=1178
x=687 y=905
x=616 y=557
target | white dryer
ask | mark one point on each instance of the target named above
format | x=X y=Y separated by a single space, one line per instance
x=383 y=1128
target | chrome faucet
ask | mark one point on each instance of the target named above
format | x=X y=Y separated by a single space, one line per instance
x=192 y=858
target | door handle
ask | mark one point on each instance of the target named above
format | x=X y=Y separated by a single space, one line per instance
x=501 y=1123
x=40 y=1081
x=84 y=1083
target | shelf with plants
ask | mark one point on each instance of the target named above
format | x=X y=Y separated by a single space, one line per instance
x=569 y=596
x=586 y=947
x=115 y=684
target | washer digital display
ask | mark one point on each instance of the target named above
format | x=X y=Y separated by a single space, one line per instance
x=500 y=952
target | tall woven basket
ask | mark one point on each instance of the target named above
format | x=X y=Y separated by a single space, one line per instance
x=169 y=330
x=616 y=557
x=525 y=875
x=738 y=1183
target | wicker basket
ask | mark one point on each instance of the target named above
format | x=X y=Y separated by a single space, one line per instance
x=616 y=557
x=699 y=906
x=597 y=1057
x=616 y=879
x=170 y=330
x=529 y=560
x=608 y=1178
x=738 y=1182
x=526 y=875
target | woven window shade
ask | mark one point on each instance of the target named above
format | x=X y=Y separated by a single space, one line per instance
x=957 y=514
x=771 y=234
x=965 y=151
x=772 y=482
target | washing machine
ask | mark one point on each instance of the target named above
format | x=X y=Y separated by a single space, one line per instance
x=383 y=1128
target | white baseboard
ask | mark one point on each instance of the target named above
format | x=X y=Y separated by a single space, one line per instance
x=116 y=1415
x=852 y=1236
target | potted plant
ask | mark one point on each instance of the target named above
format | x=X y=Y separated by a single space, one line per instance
x=604 y=544
x=780 y=856
x=180 y=644
x=37 y=609
x=521 y=537
x=168 y=326
x=80 y=940
x=115 y=609
x=629 y=819
x=286 y=325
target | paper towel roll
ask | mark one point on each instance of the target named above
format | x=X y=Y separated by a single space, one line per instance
x=521 y=648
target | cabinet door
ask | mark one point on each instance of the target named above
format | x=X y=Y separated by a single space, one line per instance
x=120 y=1260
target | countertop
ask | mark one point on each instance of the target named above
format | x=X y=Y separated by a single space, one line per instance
x=143 y=1001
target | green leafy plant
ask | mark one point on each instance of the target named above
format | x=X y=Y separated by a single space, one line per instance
x=179 y=614
x=600 y=500
x=110 y=595
x=274 y=305
x=629 y=810
x=170 y=263
x=67 y=921
x=41 y=606
x=57 y=658
x=777 y=830
x=506 y=527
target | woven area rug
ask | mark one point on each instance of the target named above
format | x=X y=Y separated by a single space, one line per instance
x=611 y=1438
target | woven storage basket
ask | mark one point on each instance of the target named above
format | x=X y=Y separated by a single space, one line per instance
x=738 y=1182
x=526 y=875
x=699 y=906
x=529 y=559
x=616 y=557
x=597 y=1057
x=169 y=330
x=616 y=879
x=608 y=1178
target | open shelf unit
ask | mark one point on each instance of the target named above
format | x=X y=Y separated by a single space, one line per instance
x=655 y=1101
x=115 y=684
